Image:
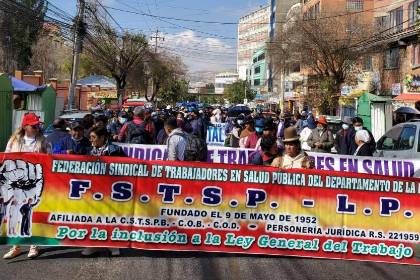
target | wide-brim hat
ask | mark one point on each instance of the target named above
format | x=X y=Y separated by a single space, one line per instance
x=290 y=135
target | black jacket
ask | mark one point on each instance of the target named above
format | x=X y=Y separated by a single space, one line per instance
x=344 y=142
x=365 y=151
x=372 y=143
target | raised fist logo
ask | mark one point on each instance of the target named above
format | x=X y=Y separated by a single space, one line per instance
x=21 y=185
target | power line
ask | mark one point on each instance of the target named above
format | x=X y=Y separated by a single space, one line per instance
x=255 y=23
x=109 y=14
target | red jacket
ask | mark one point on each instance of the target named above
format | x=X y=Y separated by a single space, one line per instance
x=252 y=140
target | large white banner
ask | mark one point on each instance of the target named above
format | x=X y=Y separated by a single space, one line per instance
x=219 y=154
x=215 y=154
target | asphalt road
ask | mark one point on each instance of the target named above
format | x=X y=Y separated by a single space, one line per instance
x=66 y=263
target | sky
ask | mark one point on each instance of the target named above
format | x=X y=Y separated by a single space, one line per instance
x=202 y=47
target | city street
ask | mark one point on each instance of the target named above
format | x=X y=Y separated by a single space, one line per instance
x=239 y=132
x=67 y=263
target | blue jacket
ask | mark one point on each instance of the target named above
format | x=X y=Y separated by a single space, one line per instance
x=60 y=142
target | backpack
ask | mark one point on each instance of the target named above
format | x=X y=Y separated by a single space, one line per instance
x=195 y=148
x=137 y=134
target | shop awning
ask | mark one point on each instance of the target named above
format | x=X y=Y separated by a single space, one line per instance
x=413 y=97
x=21 y=86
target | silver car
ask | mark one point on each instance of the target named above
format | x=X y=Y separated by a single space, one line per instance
x=401 y=141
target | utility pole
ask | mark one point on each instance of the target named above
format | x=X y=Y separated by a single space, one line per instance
x=79 y=33
x=156 y=38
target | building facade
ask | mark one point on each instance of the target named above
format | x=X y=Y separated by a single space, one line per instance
x=253 y=34
x=397 y=63
x=280 y=9
x=224 y=79
x=258 y=73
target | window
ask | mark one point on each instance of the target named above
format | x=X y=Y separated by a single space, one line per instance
x=390 y=140
x=412 y=12
x=415 y=56
x=255 y=60
x=317 y=10
x=396 y=19
x=256 y=82
x=295 y=68
x=354 y=5
x=257 y=70
x=261 y=57
x=381 y=23
x=367 y=63
x=392 y=58
x=407 y=137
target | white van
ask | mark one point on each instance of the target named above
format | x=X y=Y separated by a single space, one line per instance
x=401 y=141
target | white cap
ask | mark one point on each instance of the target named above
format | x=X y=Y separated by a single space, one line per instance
x=168 y=107
x=363 y=136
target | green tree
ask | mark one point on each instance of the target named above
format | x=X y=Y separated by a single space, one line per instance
x=174 y=90
x=113 y=53
x=21 y=22
x=235 y=92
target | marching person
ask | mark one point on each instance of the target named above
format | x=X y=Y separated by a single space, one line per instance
x=268 y=130
x=321 y=139
x=362 y=139
x=199 y=127
x=100 y=121
x=358 y=125
x=81 y=144
x=176 y=142
x=297 y=118
x=294 y=156
x=268 y=151
x=136 y=131
x=252 y=140
x=115 y=126
x=249 y=129
x=102 y=147
x=59 y=140
x=29 y=139
x=344 y=140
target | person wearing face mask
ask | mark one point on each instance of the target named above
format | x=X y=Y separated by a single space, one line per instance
x=115 y=127
x=344 y=143
x=294 y=156
x=252 y=140
x=358 y=125
x=81 y=144
x=321 y=139
x=268 y=130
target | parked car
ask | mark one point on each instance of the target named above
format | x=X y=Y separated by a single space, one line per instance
x=401 y=141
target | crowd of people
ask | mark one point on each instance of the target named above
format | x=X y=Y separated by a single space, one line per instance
x=185 y=132
x=278 y=141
